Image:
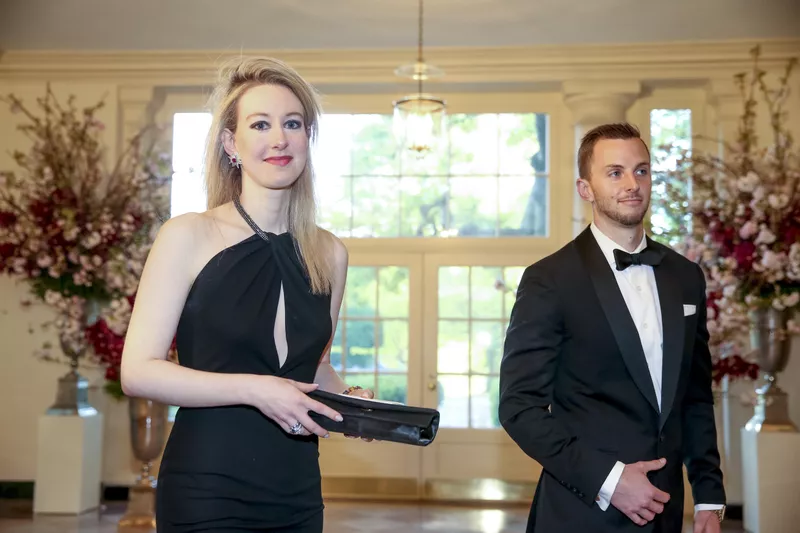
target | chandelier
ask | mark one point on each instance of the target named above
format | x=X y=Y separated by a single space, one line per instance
x=419 y=119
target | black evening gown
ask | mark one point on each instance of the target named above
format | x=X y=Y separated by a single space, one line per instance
x=232 y=469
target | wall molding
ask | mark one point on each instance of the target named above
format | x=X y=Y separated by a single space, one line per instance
x=648 y=62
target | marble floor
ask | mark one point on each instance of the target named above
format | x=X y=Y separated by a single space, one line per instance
x=340 y=517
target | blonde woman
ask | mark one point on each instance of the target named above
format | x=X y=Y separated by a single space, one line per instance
x=252 y=288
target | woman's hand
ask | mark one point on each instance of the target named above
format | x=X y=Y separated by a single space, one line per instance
x=286 y=402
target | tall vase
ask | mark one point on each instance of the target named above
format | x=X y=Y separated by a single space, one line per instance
x=72 y=395
x=148 y=420
x=769 y=337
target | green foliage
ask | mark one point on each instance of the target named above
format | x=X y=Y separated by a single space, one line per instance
x=390 y=193
x=671 y=140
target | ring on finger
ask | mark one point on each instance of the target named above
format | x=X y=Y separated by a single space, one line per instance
x=296 y=429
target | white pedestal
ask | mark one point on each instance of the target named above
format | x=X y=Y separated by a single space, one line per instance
x=771 y=481
x=68 y=464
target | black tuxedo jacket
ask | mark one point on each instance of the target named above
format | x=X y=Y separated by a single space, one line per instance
x=576 y=393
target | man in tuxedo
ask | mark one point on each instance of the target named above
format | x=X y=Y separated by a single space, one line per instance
x=606 y=374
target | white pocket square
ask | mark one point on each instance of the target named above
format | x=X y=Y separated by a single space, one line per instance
x=689 y=310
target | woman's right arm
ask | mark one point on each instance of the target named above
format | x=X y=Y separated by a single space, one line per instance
x=145 y=372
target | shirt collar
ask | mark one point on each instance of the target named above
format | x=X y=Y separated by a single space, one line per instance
x=607 y=246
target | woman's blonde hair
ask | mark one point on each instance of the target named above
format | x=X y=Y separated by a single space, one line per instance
x=224 y=181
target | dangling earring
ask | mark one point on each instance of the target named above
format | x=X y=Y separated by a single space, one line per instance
x=235 y=160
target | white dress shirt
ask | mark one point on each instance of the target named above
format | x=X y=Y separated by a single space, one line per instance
x=637 y=283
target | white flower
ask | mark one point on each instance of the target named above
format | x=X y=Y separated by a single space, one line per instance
x=71 y=234
x=92 y=240
x=749 y=182
x=765 y=236
x=791 y=300
x=748 y=229
x=778 y=201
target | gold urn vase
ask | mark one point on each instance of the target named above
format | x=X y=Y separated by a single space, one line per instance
x=148 y=422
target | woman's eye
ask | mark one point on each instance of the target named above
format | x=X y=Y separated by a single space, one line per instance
x=294 y=124
x=260 y=125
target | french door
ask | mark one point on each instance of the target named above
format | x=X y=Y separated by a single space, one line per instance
x=428 y=329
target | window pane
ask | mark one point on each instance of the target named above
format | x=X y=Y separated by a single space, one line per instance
x=473 y=145
x=523 y=144
x=393 y=296
x=189 y=134
x=424 y=206
x=454 y=292
x=486 y=302
x=453 y=353
x=453 y=401
x=487 y=346
x=670 y=136
x=393 y=346
x=335 y=193
x=472 y=346
x=361 y=292
x=375 y=345
x=376 y=210
x=523 y=205
x=373 y=148
x=359 y=345
x=393 y=388
x=473 y=206
x=484 y=402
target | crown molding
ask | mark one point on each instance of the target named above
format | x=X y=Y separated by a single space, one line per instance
x=685 y=61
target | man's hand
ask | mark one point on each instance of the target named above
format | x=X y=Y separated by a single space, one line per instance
x=636 y=497
x=706 y=522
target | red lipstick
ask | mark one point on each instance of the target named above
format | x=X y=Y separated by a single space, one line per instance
x=280 y=161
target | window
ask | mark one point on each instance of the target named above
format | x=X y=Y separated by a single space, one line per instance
x=670 y=137
x=370 y=347
x=490 y=181
x=474 y=305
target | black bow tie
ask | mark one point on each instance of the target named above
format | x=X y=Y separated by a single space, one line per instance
x=648 y=256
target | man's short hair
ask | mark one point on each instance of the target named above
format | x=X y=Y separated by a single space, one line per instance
x=621 y=130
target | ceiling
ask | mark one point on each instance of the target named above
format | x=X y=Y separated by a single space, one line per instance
x=325 y=24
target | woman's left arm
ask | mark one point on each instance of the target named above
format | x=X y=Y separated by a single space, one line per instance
x=327 y=378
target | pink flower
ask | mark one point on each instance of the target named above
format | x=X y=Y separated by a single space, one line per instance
x=749 y=229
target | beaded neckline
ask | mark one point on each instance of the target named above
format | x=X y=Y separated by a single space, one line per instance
x=249 y=220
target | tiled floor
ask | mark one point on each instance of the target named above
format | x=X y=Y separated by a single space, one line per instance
x=340 y=517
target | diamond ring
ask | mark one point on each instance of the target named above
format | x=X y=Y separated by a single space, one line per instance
x=295 y=429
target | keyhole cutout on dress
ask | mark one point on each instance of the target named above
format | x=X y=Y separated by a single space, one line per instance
x=281 y=345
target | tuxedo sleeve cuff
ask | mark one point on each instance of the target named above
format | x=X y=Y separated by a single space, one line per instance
x=610 y=485
x=707 y=507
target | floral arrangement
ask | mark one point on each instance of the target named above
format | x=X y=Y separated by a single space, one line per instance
x=76 y=232
x=746 y=209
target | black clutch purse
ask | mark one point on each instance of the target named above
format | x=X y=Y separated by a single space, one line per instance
x=374 y=419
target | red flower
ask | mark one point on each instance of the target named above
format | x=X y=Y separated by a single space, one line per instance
x=7 y=219
x=744 y=252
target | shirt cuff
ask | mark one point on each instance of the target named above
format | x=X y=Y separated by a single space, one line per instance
x=610 y=485
x=707 y=507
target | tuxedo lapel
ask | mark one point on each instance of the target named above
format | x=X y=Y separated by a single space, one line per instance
x=672 y=323
x=617 y=314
